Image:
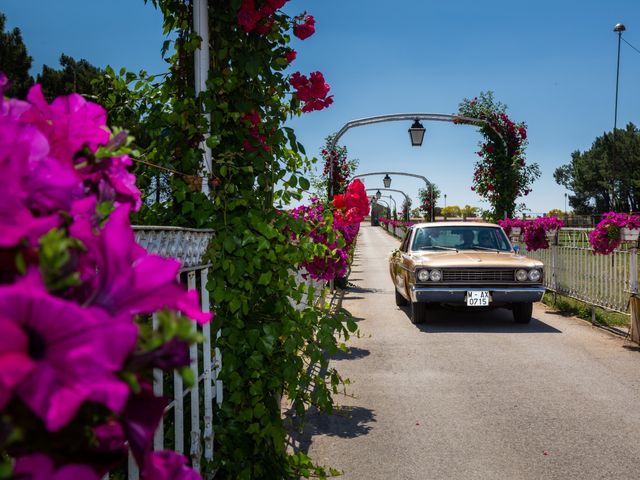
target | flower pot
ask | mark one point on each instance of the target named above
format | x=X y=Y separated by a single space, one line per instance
x=551 y=233
x=515 y=231
x=629 y=234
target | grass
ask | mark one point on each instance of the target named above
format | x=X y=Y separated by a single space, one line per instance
x=570 y=306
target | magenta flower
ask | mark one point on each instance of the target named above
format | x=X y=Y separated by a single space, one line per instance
x=41 y=467
x=129 y=281
x=15 y=363
x=140 y=420
x=167 y=465
x=77 y=352
x=70 y=123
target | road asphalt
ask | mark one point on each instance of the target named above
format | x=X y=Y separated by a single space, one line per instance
x=472 y=395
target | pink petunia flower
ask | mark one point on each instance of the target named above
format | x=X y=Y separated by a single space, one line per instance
x=40 y=467
x=76 y=352
x=167 y=465
x=129 y=281
x=15 y=363
x=70 y=123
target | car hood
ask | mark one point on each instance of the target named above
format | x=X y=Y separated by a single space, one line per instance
x=470 y=259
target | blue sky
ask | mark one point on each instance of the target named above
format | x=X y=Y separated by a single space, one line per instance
x=552 y=62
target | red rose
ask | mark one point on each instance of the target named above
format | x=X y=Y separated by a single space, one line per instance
x=306 y=29
x=291 y=55
x=276 y=4
x=265 y=27
x=248 y=16
x=318 y=88
x=523 y=133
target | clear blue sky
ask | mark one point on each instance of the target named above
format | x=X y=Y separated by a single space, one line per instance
x=552 y=62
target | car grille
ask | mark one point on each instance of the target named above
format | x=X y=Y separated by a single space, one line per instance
x=478 y=275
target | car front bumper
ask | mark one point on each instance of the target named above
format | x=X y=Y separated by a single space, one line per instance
x=499 y=295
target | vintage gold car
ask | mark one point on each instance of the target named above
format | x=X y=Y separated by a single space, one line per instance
x=467 y=264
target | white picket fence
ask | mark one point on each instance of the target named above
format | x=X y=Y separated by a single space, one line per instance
x=573 y=270
x=191 y=412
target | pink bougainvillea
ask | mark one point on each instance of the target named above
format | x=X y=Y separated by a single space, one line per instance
x=349 y=209
x=69 y=334
x=535 y=232
x=605 y=237
x=508 y=224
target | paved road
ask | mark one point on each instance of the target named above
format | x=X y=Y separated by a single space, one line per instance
x=475 y=396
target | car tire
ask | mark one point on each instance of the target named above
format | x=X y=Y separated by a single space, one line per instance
x=418 y=312
x=522 y=312
x=400 y=300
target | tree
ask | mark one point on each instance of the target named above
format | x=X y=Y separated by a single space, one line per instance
x=75 y=76
x=605 y=177
x=556 y=212
x=469 y=211
x=15 y=62
x=406 y=208
x=452 y=211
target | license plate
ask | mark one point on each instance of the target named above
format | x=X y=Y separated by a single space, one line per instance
x=478 y=299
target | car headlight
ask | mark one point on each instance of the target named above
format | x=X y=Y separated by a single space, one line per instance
x=522 y=275
x=423 y=275
x=535 y=275
x=435 y=275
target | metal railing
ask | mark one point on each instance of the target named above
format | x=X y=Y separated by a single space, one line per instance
x=573 y=270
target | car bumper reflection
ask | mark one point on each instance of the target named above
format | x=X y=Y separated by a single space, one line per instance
x=459 y=294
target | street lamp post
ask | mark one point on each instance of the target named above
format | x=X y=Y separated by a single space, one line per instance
x=618 y=28
x=445 y=200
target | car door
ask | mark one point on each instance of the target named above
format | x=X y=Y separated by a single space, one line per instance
x=400 y=257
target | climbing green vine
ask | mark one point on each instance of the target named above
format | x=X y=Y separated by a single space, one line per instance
x=269 y=348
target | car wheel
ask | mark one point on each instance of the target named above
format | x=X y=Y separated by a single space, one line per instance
x=400 y=300
x=522 y=312
x=418 y=312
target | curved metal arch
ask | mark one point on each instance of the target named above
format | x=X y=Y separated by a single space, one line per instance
x=383 y=203
x=391 y=190
x=399 y=117
x=395 y=205
x=421 y=177
x=429 y=184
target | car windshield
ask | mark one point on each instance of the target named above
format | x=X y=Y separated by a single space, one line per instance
x=443 y=238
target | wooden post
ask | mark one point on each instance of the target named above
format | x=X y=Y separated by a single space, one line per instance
x=635 y=319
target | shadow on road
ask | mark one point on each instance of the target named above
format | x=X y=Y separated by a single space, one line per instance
x=443 y=320
x=356 y=289
x=352 y=353
x=345 y=422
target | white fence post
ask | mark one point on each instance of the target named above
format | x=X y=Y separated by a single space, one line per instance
x=195 y=450
x=206 y=366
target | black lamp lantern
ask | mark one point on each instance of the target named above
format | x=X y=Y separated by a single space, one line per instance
x=416 y=132
x=378 y=194
x=387 y=181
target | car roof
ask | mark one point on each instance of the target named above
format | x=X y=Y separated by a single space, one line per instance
x=455 y=224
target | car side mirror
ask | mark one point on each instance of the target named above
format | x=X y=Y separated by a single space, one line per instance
x=516 y=249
